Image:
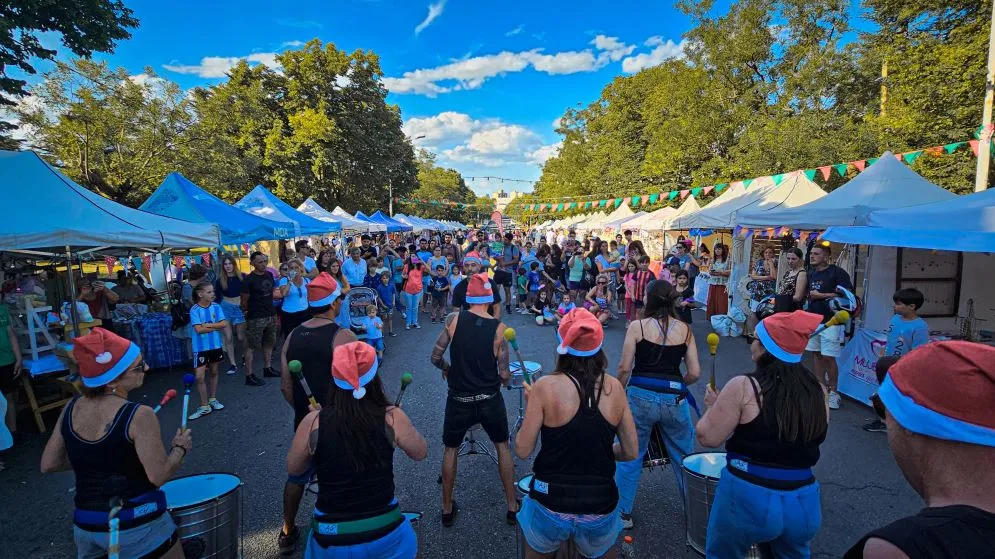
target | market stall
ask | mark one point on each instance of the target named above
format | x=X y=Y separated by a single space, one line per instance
x=373 y=227
x=263 y=203
x=393 y=226
x=349 y=225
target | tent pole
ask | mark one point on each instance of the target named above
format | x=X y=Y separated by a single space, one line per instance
x=74 y=316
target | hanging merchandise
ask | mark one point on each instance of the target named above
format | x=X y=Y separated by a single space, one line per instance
x=109 y=261
x=147 y=262
x=178 y=261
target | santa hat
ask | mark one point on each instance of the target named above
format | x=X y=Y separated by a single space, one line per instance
x=103 y=356
x=472 y=257
x=478 y=291
x=580 y=334
x=785 y=335
x=353 y=367
x=944 y=390
x=323 y=291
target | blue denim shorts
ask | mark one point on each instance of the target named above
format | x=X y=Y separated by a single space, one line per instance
x=377 y=343
x=135 y=542
x=401 y=543
x=304 y=478
x=545 y=530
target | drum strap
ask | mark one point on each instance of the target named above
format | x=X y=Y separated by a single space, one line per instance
x=741 y=463
x=349 y=532
x=140 y=510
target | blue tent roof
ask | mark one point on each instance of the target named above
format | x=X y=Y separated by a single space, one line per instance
x=263 y=203
x=179 y=198
x=393 y=226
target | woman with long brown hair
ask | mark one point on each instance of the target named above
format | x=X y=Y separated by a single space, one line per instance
x=228 y=294
x=718 y=279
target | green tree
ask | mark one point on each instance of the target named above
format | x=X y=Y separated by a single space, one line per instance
x=438 y=183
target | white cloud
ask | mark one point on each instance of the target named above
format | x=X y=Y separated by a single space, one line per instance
x=515 y=31
x=443 y=126
x=543 y=153
x=569 y=62
x=292 y=44
x=557 y=122
x=218 y=66
x=488 y=142
x=504 y=139
x=468 y=74
x=612 y=47
x=662 y=52
x=434 y=11
x=653 y=41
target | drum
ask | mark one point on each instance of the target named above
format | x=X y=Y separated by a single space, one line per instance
x=517 y=378
x=656 y=451
x=208 y=507
x=701 y=477
x=567 y=549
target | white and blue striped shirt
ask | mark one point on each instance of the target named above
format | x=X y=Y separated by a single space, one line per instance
x=205 y=315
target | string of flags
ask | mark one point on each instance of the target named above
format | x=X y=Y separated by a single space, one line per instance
x=768 y=233
x=424 y=202
x=983 y=134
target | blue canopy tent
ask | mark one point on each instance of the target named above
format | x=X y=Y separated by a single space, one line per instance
x=393 y=226
x=263 y=203
x=179 y=198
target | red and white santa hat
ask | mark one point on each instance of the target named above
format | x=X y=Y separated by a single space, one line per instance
x=103 y=356
x=944 y=390
x=353 y=367
x=323 y=290
x=580 y=333
x=472 y=256
x=785 y=335
x=478 y=291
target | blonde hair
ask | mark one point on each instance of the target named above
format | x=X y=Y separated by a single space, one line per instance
x=223 y=277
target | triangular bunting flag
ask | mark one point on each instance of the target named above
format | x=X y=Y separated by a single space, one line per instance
x=825 y=170
x=898 y=156
x=618 y=202
x=860 y=164
x=672 y=194
x=109 y=261
x=696 y=192
x=810 y=173
x=147 y=262
x=911 y=156
x=653 y=198
x=720 y=187
x=708 y=189
x=684 y=193
x=974 y=146
x=840 y=169
x=587 y=205
x=872 y=160
x=634 y=201
x=572 y=205
x=559 y=207
x=747 y=182
x=602 y=203
x=950 y=148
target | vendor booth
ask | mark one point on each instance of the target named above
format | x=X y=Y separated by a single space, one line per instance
x=393 y=226
x=263 y=203
x=349 y=226
x=372 y=227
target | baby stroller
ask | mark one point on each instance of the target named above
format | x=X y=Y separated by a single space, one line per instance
x=356 y=302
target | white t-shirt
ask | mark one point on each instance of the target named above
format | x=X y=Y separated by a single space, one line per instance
x=550 y=237
x=296 y=298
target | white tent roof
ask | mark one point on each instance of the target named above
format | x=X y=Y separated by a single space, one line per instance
x=349 y=225
x=621 y=213
x=688 y=207
x=591 y=222
x=647 y=221
x=763 y=197
x=47 y=211
x=963 y=223
x=886 y=184
x=617 y=224
x=373 y=227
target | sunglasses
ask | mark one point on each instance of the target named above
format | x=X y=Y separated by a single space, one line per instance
x=878 y=405
x=602 y=283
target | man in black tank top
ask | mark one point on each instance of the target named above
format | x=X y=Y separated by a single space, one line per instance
x=312 y=344
x=479 y=368
x=937 y=402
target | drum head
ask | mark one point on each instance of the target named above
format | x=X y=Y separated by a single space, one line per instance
x=191 y=490
x=708 y=464
x=525 y=484
x=533 y=367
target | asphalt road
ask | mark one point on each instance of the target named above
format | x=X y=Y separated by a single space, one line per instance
x=861 y=486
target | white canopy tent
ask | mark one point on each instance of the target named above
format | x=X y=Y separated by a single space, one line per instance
x=621 y=213
x=688 y=207
x=886 y=184
x=349 y=225
x=623 y=223
x=589 y=222
x=645 y=222
x=372 y=227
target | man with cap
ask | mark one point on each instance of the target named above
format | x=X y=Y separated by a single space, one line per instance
x=115 y=448
x=350 y=443
x=312 y=344
x=937 y=401
x=472 y=264
x=479 y=368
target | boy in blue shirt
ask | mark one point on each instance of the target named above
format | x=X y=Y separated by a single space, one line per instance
x=386 y=297
x=373 y=327
x=207 y=320
x=439 y=288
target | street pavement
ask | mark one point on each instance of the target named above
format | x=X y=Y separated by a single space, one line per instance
x=862 y=487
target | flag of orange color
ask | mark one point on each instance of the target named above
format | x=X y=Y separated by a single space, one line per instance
x=684 y=193
x=974 y=146
x=825 y=172
x=859 y=164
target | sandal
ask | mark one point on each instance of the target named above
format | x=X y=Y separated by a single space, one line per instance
x=449 y=519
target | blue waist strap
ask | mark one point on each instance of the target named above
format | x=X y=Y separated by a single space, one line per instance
x=672 y=387
x=741 y=463
x=136 y=512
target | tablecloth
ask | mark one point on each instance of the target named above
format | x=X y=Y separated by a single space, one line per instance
x=155 y=336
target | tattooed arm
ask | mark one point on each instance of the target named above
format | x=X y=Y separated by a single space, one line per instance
x=446 y=336
x=503 y=355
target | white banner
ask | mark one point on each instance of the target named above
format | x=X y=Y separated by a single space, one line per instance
x=856 y=364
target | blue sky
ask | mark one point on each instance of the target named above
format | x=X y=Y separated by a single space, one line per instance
x=483 y=82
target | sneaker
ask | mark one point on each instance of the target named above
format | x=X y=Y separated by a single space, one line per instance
x=507 y=309
x=433 y=321
x=876 y=426
x=232 y=370
x=214 y=403
x=252 y=380
x=626 y=521
x=270 y=372
x=288 y=542
x=407 y=327
x=200 y=412
x=834 y=400
x=393 y=334
x=417 y=326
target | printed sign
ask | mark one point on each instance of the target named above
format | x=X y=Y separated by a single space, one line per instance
x=856 y=364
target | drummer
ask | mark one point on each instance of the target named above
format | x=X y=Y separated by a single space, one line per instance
x=115 y=448
x=351 y=441
x=774 y=418
x=579 y=410
x=652 y=354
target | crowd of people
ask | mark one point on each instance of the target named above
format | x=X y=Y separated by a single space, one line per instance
x=594 y=427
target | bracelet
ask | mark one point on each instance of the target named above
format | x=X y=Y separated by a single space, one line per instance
x=181 y=447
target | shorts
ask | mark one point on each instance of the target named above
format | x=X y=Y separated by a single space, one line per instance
x=233 y=313
x=377 y=343
x=545 y=530
x=208 y=357
x=401 y=543
x=8 y=383
x=260 y=332
x=460 y=416
x=502 y=278
x=575 y=285
x=304 y=478
x=439 y=299
x=828 y=342
x=152 y=539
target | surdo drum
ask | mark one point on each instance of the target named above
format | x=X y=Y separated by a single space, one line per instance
x=208 y=507
x=701 y=477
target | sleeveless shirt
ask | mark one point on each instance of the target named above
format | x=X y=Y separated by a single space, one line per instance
x=474 y=365
x=313 y=347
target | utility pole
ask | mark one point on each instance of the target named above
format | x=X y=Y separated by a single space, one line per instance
x=390 y=194
x=884 y=88
x=984 y=146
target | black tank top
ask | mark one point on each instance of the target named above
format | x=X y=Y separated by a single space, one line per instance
x=579 y=456
x=108 y=467
x=313 y=347
x=758 y=441
x=474 y=366
x=343 y=492
x=952 y=532
x=658 y=361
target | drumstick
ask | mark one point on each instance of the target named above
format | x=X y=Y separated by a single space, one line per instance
x=295 y=369
x=509 y=334
x=713 y=346
x=188 y=380
x=169 y=395
x=841 y=317
x=406 y=379
x=114 y=545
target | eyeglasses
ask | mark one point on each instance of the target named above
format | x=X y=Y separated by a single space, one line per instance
x=140 y=367
x=750 y=338
x=878 y=405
